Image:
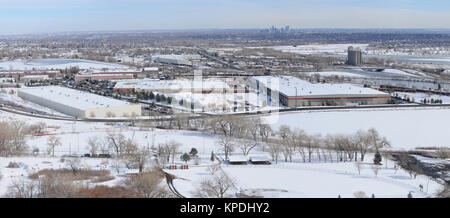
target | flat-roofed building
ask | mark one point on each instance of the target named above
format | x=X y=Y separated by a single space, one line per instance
x=99 y=77
x=174 y=86
x=79 y=104
x=294 y=92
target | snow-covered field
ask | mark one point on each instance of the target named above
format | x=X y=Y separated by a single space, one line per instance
x=404 y=128
x=292 y=180
x=48 y=64
x=74 y=135
x=398 y=72
x=419 y=97
x=334 y=73
x=331 y=49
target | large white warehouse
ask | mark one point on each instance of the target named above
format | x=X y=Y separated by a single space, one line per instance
x=79 y=104
x=294 y=92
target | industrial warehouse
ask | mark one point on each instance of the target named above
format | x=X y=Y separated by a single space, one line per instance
x=79 y=104
x=294 y=92
x=206 y=86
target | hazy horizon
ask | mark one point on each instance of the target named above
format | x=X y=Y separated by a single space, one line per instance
x=55 y=16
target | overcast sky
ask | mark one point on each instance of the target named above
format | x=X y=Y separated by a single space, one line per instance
x=41 y=16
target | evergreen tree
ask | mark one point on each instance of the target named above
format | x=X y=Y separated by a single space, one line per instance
x=212 y=156
x=169 y=100
x=158 y=98
x=377 y=160
x=410 y=195
x=193 y=152
x=185 y=157
x=152 y=96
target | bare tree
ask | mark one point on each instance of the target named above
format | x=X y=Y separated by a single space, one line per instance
x=53 y=142
x=264 y=131
x=375 y=169
x=254 y=128
x=12 y=138
x=358 y=166
x=275 y=150
x=298 y=138
x=73 y=164
x=172 y=149
x=140 y=158
x=147 y=185
x=115 y=141
x=376 y=140
x=364 y=144
x=246 y=146
x=227 y=144
x=94 y=143
x=217 y=186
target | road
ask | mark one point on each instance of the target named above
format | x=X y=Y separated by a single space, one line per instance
x=257 y=113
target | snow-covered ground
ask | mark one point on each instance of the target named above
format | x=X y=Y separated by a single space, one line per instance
x=334 y=73
x=419 y=97
x=312 y=180
x=404 y=128
x=18 y=101
x=74 y=135
x=30 y=165
x=332 y=49
x=48 y=64
x=398 y=72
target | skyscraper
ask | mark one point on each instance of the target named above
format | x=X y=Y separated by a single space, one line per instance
x=354 y=56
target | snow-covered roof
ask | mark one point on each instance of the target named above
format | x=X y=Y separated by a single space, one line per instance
x=34 y=76
x=292 y=86
x=74 y=98
x=104 y=75
x=260 y=158
x=45 y=64
x=152 y=84
x=237 y=158
x=151 y=69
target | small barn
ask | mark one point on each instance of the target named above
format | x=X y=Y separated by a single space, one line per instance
x=260 y=160
x=238 y=160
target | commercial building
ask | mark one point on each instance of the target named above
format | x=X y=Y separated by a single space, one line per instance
x=174 y=86
x=81 y=77
x=20 y=74
x=186 y=59
x=79 y=104
x=354 y=56
x=115 y=74
x=34 y=78
x=294 y=92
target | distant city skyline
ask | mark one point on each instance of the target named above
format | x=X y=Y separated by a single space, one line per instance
x=52 y=16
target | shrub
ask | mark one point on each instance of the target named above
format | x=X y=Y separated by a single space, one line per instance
x=82 y=174
x=146 y=185
x=377 y=159
x=13 y=165
x=106 y=192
